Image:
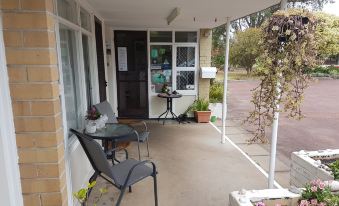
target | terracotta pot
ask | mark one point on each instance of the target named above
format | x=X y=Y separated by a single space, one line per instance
x=202 y=116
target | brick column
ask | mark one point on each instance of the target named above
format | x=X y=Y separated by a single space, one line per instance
x=205 y=61
x=29 y=36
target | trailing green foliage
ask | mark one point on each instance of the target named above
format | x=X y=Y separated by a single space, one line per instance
x=216 y=92
x=200 y=105
x=288 y=55
x=334 y=166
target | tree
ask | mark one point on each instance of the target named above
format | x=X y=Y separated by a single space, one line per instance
x=327 y=35
x=245 y=48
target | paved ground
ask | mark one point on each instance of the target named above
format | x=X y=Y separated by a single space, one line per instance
x=320 y=128
x=194 y=168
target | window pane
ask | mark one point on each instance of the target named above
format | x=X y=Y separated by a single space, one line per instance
x=161 y=67
x=70 y=77
x=87 y=68
x=67 y=10
x=161 y=36
x=185 y=80
x=85 y=19
x=185 y=56
x=183 y=36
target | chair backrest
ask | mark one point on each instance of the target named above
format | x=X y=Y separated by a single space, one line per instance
x=105 y=108
x=95 y=154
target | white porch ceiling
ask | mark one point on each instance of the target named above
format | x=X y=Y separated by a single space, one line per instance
x=153 y=13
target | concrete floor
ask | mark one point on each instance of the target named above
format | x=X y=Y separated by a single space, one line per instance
x=194 y=169
x=259 y=153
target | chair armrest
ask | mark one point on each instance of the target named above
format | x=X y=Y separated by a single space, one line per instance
x=141 y=163
x=118 y=149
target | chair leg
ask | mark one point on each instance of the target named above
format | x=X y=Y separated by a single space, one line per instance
x=122 y=191
x=155 y=190
x=139 y=150
x=130 y=189
x=147 y=147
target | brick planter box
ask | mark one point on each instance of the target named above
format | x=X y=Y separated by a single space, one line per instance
x=308 y=165
x=270 y=197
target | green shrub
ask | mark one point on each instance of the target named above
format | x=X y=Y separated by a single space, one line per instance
x=216 y=92
x=326 y=70
x=334 y=166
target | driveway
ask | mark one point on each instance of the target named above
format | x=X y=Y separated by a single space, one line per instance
x=318 y=130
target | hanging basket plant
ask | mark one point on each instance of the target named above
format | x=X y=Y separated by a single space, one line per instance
x=284 y=68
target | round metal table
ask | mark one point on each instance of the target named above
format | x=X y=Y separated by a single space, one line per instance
x=169 y=98
x=113 y=133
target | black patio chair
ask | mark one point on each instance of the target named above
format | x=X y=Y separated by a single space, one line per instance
x=122 y=175
x=105 y=108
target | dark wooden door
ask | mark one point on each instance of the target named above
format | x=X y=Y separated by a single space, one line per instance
x=132 y=82
x=100 y=60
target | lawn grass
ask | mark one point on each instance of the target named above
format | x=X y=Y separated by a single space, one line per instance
x=236 y=75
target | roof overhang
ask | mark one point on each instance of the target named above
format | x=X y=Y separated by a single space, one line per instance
x=194 y=14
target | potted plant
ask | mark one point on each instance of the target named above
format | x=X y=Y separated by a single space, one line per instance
x=201 y=111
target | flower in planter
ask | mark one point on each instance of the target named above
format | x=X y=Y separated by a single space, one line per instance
x=93 y=114
x=315 y=194
x=259 y=204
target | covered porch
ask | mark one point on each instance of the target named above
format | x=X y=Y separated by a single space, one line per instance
x=61 y=59
x=194 y=168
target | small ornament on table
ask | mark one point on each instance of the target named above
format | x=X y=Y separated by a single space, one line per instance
x=165 y=89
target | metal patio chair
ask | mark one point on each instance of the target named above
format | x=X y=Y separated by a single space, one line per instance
x=105 y=108
x=122 y=175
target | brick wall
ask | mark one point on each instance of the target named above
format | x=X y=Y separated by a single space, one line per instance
x=205 y=61
x=29 y=36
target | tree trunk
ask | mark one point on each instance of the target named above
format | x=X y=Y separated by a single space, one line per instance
x=248 y=71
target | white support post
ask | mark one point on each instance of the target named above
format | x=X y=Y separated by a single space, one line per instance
x=275 y=125
x=224 y=102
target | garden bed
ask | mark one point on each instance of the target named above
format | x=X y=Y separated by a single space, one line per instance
x=310 y=165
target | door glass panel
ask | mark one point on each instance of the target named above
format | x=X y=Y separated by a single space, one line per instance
x=185 y=56
x=183 y=36
x=87 y=68
x=161 y=67
x=70 y=77
x=161 y=36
